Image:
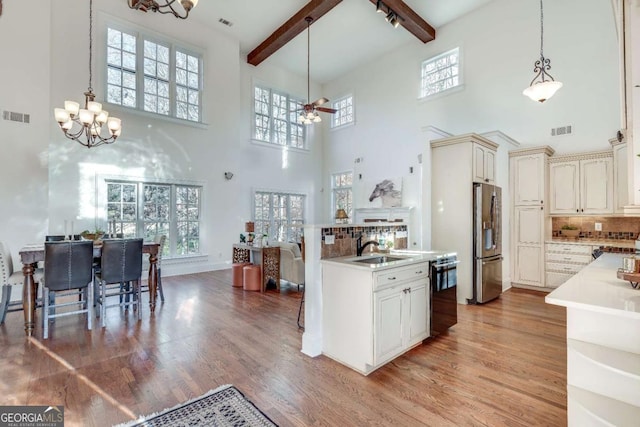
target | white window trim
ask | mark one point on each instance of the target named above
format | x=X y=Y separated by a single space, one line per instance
x=259 y=142
x=353 y=105
x=101 y=204
x=449 y=91
x=104 y=21
x=334 y=207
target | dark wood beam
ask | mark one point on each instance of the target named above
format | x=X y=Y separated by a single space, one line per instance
x=290 y=29
x=411 y=20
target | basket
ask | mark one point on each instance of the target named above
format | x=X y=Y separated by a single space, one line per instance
x=570 y=233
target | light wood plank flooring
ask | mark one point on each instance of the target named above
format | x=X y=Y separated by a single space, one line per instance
x=504 y=363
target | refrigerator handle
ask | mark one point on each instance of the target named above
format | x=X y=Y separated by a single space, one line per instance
x=494 y=213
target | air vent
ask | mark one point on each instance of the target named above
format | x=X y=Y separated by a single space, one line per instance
x=16 y=117
x=562 y=130
x=225 y=22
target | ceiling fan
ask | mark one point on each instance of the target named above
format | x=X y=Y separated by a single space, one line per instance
x=309 y=111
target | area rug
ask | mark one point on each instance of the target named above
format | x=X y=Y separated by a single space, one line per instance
x=224 y=406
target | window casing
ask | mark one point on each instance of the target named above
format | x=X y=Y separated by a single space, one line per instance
x=280 y=216
x=154 y=76
x=441 y=73
x=276 y=118
x=342 y=193
x=344 y=114
x=147 y=209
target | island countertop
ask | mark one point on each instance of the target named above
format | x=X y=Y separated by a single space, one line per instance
x=408 y=257
x=596 y=288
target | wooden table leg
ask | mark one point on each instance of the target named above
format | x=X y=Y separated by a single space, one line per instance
x=28 y=299
x=153 y=280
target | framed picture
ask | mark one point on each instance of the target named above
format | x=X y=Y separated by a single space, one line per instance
x=386 y=193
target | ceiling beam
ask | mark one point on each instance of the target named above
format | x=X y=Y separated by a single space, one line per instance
x=410 y=20
x=290 y=29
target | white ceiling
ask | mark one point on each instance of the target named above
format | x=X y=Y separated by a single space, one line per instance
x=349 y=35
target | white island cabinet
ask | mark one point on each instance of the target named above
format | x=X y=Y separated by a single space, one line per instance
x=370 y=316
x=603 y=345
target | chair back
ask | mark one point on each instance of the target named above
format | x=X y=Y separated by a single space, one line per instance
x=6 y=264
x=68 y=265
x=160 y=239
x=121 y=260
x=59 y=238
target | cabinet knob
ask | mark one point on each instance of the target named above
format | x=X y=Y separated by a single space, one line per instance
x=577 y=210
x=486 y=180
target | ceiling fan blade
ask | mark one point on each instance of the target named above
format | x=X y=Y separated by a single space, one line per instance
x=326 y=110
x=320 y=101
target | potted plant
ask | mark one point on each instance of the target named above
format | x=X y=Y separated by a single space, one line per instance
x=570 y=231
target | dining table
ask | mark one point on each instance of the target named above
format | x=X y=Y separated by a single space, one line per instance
x=31 y=254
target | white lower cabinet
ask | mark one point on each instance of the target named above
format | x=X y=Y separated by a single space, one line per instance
x=563 y=260
x=370 y=318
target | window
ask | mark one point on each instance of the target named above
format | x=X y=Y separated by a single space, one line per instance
x=344 y=111
x=441 y=73
x=279 y=215
x=153 y=76
x=342 y=193
x=276 y=118
x=146 y=209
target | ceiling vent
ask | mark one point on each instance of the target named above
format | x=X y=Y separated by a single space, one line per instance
x=16 y=117
x=562 y=130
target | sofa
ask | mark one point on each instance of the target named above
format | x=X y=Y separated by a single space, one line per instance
x=291 y=263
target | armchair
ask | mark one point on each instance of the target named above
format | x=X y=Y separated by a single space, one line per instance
x=291 y=264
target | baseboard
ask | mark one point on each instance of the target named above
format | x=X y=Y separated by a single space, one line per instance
x=532 y=288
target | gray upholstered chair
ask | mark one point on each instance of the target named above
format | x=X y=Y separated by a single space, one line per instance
x=12 y=282
x=68 y=268
x=121 y=266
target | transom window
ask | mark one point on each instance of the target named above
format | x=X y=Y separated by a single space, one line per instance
x=279 y=215
x=276 y=118
x=344 y=111
x=342 y=193
x=154 y=76
x=441 y=73
x=150 y=209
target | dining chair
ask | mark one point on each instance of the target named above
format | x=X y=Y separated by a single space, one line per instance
x=160 y=239
x=59 y=237
x=68 y=268
x=10 y=279
x=120 y=266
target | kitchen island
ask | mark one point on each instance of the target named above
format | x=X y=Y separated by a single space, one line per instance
x=603 y=345
x=375 y=307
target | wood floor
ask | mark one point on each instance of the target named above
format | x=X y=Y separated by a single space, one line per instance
x=504 y=363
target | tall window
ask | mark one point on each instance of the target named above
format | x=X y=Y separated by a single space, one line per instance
x=344 y=111
x=154 y=76
x=276 y=118
x=279 y=215
x=342 y=192
x=148 y=209
x=441 y=73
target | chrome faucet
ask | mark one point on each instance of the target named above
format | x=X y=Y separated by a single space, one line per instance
x=360 y=247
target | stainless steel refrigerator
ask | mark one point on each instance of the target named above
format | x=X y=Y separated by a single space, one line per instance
x=487 y=242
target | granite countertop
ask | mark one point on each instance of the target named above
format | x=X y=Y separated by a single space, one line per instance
x=408 y=257
x=597 y=288
x=617 y=243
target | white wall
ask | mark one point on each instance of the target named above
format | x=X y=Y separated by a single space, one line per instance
x=149 y=147
x=499 y=43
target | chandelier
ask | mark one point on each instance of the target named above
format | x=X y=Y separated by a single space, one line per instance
x=92 y=117
x=154 y=6
x=543 y=86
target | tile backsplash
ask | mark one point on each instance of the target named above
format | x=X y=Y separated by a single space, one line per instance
x=617 y=228
x=345 y=238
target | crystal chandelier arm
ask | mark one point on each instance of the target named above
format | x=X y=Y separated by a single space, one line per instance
x=154 y=6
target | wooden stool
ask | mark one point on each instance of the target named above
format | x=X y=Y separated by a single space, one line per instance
x=237 y=273
x=252 y=277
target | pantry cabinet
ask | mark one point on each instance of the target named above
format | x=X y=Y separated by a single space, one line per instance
x=581 y=184
x=530 y=222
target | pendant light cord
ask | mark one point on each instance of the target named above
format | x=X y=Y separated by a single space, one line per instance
x=308 y=60
x=90 y=42
x=541 y=30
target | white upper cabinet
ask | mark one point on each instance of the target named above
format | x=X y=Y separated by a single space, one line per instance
x=484 y=164
x=620 y=176
x=581 y=184
x=528 y=179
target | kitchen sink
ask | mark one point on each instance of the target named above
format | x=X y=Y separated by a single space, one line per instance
x=377 y=259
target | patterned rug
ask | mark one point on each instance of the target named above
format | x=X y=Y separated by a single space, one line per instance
x=224 y=406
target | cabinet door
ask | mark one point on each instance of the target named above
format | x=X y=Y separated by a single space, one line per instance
x=418 y=313
x=529 y=223
x=489 y=166
x=388 y=318
x=620 y=178
x=528 y=262
x=565 y=188
x=528 y=179
x=478 y=163
x=596 y=189
x=529 y=265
